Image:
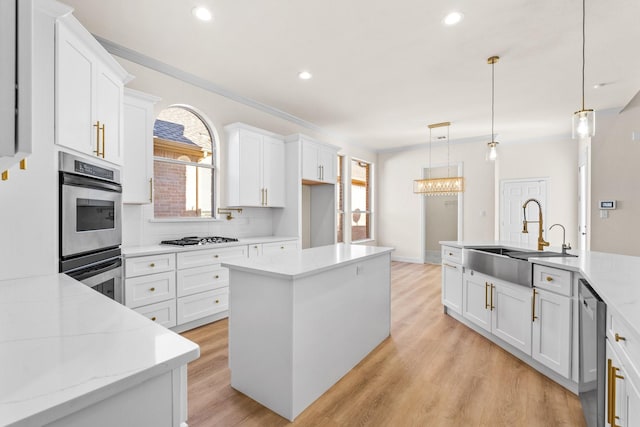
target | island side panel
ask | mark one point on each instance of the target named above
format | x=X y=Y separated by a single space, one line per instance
x=340 y=316
x=260 y=339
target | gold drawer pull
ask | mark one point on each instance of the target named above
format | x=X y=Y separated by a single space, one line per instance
x=153 y=318
x=281 y=247
x=533 y=306
x=217 y=301
x=216 y=256
x=153 y=264
x=619 y=338
x=255 y=247
x=152 y=289
x=217 y=277
x=450 y=254
x=549 y=279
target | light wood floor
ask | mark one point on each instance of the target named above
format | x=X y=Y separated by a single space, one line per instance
x=431 y=371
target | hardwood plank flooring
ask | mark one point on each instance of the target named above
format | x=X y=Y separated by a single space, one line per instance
x=431 y=371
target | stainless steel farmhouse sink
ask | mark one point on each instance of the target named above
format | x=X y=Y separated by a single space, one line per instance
x=503 y=263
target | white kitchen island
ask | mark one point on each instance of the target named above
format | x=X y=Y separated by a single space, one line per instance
x=299 y=322
x=72 y=357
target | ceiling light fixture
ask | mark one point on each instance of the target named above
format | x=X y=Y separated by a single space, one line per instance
x=452 y=18
x=304 y=75
x=439 y=186
x=493 y=151
x=202 y=13
x=584 y=120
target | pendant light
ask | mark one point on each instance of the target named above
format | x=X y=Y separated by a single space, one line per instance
x=493 y=152
x=584 y=120
x=439 y=186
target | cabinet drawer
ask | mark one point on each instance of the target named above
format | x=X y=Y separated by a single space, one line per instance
x=163 y=313
x=194 y=307
x=279 y=247
x=255 y=250
x=150 y=289
x=627 y=343
x=139 y=266
x=552 y=279
x=200 y=279
x=209 y=257
x=451 y=255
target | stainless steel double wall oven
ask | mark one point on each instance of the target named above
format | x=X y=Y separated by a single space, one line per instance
x=91 y=224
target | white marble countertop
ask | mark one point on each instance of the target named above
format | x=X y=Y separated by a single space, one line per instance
x=64 y=346
x=614 y=277
x=135 y=251
x=306 y=262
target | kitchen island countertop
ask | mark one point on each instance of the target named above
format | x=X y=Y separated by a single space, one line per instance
x=64 y=347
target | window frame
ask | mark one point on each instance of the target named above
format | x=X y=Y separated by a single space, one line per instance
x=213 y=166
x=369 y=200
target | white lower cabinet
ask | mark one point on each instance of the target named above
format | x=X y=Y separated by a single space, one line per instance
x=552 y=331
x=144 y=290
x=275 y=248
x=452 y=287
x=197 y=306
x=499 y=307
x=163 y=313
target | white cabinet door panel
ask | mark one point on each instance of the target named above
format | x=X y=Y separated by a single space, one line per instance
x=273 y=172
x=452 y=287
x=512 y=315
x=109 y=112
x=475 y=301
x=551 y=343
x=250 y=170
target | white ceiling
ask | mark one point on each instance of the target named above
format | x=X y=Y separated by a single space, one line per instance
x=383 y=70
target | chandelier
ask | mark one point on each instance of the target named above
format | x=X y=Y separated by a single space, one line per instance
x=439 y=186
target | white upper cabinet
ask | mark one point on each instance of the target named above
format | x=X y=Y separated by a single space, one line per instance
x=255 y=167
x=89 y=93
x=319 y=161
x=137 y=170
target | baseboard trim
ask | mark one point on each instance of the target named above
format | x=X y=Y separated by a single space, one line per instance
x=407 y=259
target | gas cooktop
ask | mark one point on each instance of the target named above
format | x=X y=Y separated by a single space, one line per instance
x=193 y=240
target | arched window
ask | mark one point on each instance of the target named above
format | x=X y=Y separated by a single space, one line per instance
x=183 y=165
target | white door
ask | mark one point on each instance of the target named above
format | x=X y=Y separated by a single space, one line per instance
x=552 y=331
x=513 y=194
x=583 y=205
x=511 y=320
x=475 y=306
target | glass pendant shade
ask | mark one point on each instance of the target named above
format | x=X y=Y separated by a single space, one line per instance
x=583 y=124
x=493 y=151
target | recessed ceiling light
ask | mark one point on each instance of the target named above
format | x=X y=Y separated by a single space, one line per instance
x=202 y=13
x=453 y=18
x=304 y=75
x=599 y=85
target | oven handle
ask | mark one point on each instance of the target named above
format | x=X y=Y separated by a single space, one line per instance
x=94 y=270
x=87 y=182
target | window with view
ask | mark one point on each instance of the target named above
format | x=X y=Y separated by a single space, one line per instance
x=340 y=203
x=360 y=200
x=183 y=165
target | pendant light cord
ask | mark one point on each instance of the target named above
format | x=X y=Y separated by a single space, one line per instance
x=448 y=167
x=493 y=65
x=583 y=49
x=429 y=172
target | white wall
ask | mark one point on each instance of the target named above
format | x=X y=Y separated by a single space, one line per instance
x=139 y=229
x=399 y=210
x=615 y=175
x=557 y=160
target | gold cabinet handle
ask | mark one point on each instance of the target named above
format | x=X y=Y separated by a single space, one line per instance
x=5 y=175
x=281 y=247
x=533 y=306
x=97 y=150
x=216 y=256
x=449 y=265
x=619 y=338
x=486 y=298
x=217 y=301
x=23 y=164
x=152 y=289
x=153 y=318
x=150 y=189
x=266 y=197
x=102 y=129
x=216 y=277
x=549 y=279
x=609 y=388
x=450 y=253
x=492 y=288
x=153 y=264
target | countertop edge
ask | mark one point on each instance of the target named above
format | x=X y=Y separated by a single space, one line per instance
x=144 y=250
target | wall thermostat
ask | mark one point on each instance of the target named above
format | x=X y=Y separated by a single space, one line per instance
x=607 y=204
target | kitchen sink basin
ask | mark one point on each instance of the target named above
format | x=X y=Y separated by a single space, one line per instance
x=507 y=264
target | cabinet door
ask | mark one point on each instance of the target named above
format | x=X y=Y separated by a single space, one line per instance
x=452 y=287
x=633 y=405
x=511 y=320
x=475 y=305
x=310 y=166
x=273 y=160
x=74 y=86
x=109 y=113
x=327 y=160
x=616 y=400
x=551 y=343
x=250 y=173
x=137 y=170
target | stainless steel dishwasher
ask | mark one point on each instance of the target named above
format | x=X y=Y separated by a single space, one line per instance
x=592 y=385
